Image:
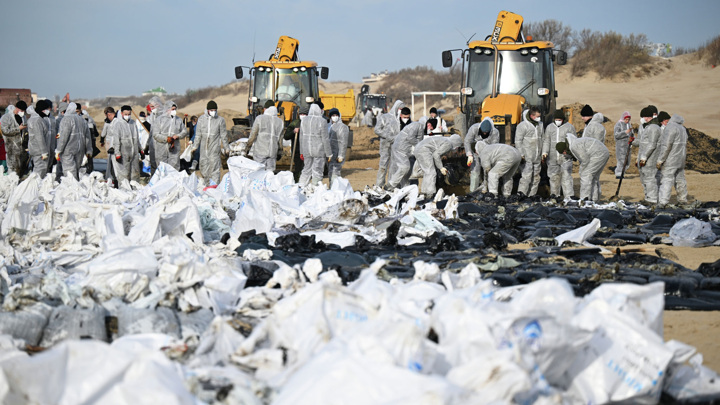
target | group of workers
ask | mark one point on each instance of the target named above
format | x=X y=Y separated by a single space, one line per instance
x=35 y=138
x=316 y=140
x=661 y=157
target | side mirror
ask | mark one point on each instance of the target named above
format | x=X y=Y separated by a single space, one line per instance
x=562 y=58
x=447 y=59
x=238 y=72
x=324 y=73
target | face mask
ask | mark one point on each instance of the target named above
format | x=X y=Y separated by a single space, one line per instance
x=46 y=112
x=335 y=118
x=126 y=117
x=654 y=116
x=405 y=120
x=21 y=114
x=142 y=119
x=558 y=122
x=173 y=113
x=212 y=113
x=537 y=119
x=152 y=111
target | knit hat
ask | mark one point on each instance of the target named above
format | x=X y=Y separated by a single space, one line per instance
x=646 y=113
x=433 y=122
x=405 y=111
x=41 y=105
x=333 y=111
x=561 y=146
x=433 y=110
x=559 y=115
x=269 y=103
x=663 y=116
x=21 y=105
x=653 y=109
x=212 y=105
x=485 y=127
x=587 y=111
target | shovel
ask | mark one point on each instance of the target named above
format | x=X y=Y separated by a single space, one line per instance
x=622 y=175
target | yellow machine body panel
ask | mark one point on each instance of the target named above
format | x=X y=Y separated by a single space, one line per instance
x=285 y=65
x=286 y=49
x=507 y=27
x=345 y=103
x=511 y=46
x=500 y=106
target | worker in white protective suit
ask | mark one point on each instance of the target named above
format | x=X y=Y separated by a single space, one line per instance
x=266 y=135
x=315 y=148
x=481 y=131
x=125 y=147
x=559 y=166
x=593 y=156
x=648 y=155
x=37 y=145
x=13 y=123
x=529 y=142
x=339 y=135
x=623 y=138
x=402 y=152
x=72 y=145
x=441 y=127
x=387 y=127
x=500 y=162
x=593 y=124
x=671 y=159
x=211 y=140
x=166 y=132
x=428 y=154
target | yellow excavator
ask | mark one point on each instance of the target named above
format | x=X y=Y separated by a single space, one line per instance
x=291 y=84
x=505 y=74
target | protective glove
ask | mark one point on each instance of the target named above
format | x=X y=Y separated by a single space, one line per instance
x=522 y=159
x=44 y=156
x=302 y=157
x=142 y=155
x=84 y=161
x=469 y=160
x=329 y=158
x=339 y=159
x=57 y=156
x=102 y=141
x=544 y=156
x=169 y=139
x=111 y=151
x=659 y=165
x=190 y=143
x=118 y=158
x=443 y=171
x=642 y=163
x=631 y=140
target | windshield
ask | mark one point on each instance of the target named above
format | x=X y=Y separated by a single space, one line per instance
x=291 y=86
x=378 y=102
x=517 y=74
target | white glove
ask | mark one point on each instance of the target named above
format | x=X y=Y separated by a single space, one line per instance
x=44 y=156
x=443 y=171
x=469 y=160
x=84 y=161
x=189 y=143
x=339 y=159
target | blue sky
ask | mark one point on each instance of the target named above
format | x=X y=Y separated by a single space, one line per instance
x=96 y=48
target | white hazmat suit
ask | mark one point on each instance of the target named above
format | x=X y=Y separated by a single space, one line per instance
x=672 y=154
x=500 y=162
x=314 y=146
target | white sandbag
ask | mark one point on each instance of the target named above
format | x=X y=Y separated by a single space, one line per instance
x=624 y=361
x=692 y=232
x=644 y=303
x=21 y=205
x=133 y=321
x=74 y=323
x=217 y=344
x=27 y=323
x=579 y=235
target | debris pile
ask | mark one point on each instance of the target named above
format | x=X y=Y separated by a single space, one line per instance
x=259 y=291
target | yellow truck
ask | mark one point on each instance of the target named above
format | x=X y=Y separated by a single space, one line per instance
x=345 y=103
x=505 y=74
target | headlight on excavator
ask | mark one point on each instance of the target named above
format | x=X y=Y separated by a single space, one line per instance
x=487 y=51
x=309 y=99
x=524 y=52
x=543 y=91
x=466 y=91
x=534 y=51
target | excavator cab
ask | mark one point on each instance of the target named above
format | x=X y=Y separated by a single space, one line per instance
x=505 y=74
